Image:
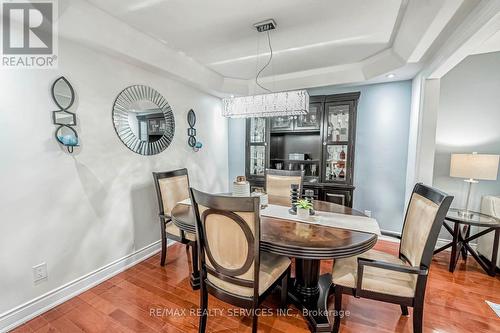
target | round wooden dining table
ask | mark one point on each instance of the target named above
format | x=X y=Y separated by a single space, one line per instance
x=308 y=243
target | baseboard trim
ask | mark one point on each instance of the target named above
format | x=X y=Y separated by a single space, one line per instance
x=27 y=311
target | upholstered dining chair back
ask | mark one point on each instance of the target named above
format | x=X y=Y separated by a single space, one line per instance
x=278 y=182
x=228 y=235
x=424 y=217
x=171 y=187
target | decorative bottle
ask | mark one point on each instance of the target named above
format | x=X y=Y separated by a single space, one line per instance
x=342 y=154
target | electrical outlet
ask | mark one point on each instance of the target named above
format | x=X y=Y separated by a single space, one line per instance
x=368 y=213
x=39 y=272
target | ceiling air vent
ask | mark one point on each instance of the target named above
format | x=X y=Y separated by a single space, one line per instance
x=265 y=25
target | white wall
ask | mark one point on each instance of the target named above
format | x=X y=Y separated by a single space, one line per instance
x=468 y=120
x=80 y=212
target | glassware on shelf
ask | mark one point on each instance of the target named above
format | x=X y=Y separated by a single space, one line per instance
x=313 y=170
x=257 y=130
x=308 y=121
x=330 y=127
x=257 y=160
x=338 y=123
x=336 y=163
x=282 y=123
x=279 y=166
x=342 y=154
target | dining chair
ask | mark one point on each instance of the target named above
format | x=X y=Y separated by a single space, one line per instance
x=402 y=279
x=278 y=182
x=172 y=187
x=232 y=267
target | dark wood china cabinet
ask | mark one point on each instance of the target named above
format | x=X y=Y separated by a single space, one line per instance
x=321 y=143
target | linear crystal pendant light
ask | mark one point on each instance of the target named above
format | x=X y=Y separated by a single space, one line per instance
x=272 y=104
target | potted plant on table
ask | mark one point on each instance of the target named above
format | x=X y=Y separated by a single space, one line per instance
x=303 y=208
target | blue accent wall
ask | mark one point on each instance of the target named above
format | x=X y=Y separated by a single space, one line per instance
x=383 y=122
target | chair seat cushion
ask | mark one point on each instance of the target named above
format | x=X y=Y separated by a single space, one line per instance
x=375 y=279
x=172 y=229
x=271 y=268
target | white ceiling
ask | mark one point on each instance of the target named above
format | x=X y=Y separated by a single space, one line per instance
x=317 y=42
x=220 y=34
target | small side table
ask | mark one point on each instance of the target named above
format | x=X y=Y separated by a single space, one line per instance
x=461 y=238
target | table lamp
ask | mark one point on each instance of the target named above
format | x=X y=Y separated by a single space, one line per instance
x=473 y=167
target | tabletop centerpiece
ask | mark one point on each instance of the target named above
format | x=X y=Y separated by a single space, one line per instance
x=304 y=207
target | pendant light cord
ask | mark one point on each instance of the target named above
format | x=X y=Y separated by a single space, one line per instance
x=267 y=64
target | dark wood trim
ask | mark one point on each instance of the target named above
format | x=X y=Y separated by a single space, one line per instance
x=343 y=97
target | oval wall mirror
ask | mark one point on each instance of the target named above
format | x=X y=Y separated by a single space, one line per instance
x=62 y=93
x=143 y=120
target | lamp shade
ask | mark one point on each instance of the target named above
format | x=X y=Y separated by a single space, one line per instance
x=474 y=166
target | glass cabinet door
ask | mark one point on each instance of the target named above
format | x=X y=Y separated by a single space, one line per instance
x=282 y=123
x=337 y=122
x=257 y=147
x=336 y=163
x=257 y=160
x=257 y=130
x=337 y=142
x=310 y=121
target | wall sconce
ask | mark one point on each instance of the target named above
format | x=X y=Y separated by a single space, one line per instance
x=191 y=118
x=64 y=96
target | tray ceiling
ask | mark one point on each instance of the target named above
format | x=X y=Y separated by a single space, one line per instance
x=317 y=42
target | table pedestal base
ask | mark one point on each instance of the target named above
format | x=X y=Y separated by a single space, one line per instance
x=309 y=293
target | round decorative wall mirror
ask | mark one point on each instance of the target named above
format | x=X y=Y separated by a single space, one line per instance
x=143 y=120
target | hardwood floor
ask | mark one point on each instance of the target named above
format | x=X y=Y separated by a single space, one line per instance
x=138 y=300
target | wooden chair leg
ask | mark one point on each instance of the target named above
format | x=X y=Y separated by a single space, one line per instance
x=338 y=308
x=194 y=257
x=418 y=315
x=404 y=310
x=163 y=243
x=204 y=309
x=284 y=290
x=195 y=276
x=254 y=322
